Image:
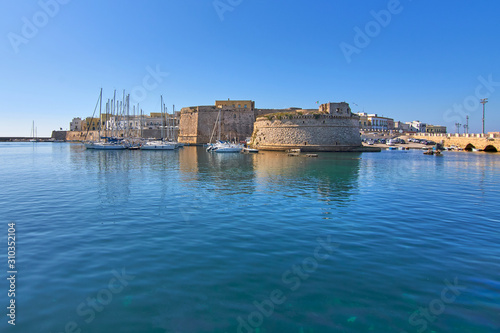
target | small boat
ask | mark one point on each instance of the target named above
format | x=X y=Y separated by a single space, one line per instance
x=228 y=148
x=89 y=145
x=158 y=145
x=475 y=149
x=108 y=146
x=429 y=152
x=392 y=148
x=250 y=150
x=163 y=143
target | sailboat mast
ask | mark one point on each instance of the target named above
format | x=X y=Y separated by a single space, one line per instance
x=161 y=115
x=218 y=137
x=100 y=112
x=114 y=113
x=128 y=115
x=141 y=123
x=167 y=122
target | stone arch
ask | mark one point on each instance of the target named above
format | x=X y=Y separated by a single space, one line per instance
x=469 y=147
x=490 y=149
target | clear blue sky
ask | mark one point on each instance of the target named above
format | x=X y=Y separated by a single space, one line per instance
x=427 y=59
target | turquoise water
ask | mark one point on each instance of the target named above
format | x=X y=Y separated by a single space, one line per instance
x=250 y=243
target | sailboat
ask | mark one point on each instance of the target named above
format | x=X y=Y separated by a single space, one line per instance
x=160 y=144
x=106 y=145
x=33 y=133
x=221 y=146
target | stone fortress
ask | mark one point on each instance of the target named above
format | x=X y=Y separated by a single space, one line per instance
x=332 y=127
x=198 y=124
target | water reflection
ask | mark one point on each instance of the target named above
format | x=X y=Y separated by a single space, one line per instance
x=331 y=175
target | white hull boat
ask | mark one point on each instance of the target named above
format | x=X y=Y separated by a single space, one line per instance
x=89 y=145
x=228 y=148
x=108 y=146
x=158 y=145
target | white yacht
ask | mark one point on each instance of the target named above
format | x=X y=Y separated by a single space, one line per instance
x=107 y=146
x=158 y=145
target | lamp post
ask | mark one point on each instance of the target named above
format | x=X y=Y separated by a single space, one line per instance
x=483 y=101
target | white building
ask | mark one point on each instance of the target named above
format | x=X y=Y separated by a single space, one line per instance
x=76 y=124
x=405 y=127
x=417 y=126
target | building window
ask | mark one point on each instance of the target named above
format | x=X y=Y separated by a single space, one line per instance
x=245 y=106
x=239 y=106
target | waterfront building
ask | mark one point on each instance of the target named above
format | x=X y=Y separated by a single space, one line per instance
x=400 y=126
x=374 y=122
x=235 y=104
x=417 y=126
x=76 y=124
x=90 y=124
x=435 y=129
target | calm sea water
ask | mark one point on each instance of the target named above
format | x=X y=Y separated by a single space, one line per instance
x=188 y=241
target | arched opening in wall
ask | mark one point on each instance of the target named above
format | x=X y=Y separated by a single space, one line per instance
x=490 y=149
x=469 y=147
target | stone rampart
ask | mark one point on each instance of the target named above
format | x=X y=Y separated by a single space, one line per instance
x=197 y=124
x=313 y=132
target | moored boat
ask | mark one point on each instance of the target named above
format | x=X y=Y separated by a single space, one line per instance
x=109 y=146
x=158 y=145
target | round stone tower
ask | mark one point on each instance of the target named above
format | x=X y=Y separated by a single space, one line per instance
x=332 y=128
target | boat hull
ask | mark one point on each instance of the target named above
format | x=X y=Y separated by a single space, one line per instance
x=158 y=147
x=228 y=150
x=109 y=147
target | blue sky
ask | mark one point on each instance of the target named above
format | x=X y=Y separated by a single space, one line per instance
x=426 y=60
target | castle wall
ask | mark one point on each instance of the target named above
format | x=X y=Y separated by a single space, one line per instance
x=197 y=124
x=188 y=125
x=307 y=132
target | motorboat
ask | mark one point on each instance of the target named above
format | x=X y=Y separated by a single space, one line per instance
x=229 y=148
x=158 y=145
x=250 y=150
x=109 y=146
x=225 y=147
